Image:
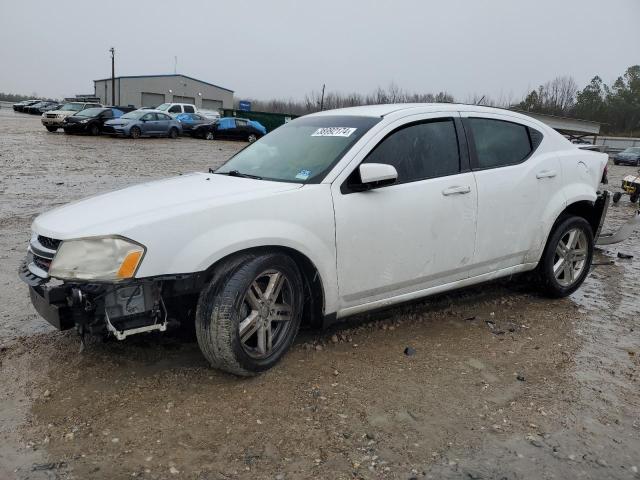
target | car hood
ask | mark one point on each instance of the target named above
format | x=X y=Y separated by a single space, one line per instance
x=66 y=113
x=117 y=212
x=119 y=121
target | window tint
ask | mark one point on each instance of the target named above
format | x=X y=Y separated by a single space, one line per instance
x=189 y=109
x=419 y=151
x=499 y=143
x=175 y=109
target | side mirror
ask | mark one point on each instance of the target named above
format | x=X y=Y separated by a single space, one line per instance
x=374 y=175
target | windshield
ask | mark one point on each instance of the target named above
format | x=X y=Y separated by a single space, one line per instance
x=72 y=107
x=136 y=114
x=301 y=151
x=164 y=106
x=632 y=150
x=90 y=112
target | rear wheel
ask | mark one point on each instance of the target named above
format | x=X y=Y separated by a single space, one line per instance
x=135 y=132
x=567 y=256
x=173 y=132
x=52 y=129
x=616 y=197
x=616 y=162
x=249 y=315
x=633 y=198
x=209 y=136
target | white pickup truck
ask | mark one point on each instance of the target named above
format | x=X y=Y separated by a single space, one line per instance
x=330 y=215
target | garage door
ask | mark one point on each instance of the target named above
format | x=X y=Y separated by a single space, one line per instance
x=179 y=99
x=152 y=99
x=208 y=104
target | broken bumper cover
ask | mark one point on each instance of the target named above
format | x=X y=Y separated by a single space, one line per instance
x=624 y=232
x=51 y=304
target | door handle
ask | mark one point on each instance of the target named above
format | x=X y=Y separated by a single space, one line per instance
x=456 y=190
x=545 y=174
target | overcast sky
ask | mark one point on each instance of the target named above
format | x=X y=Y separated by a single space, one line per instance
x=286 y=48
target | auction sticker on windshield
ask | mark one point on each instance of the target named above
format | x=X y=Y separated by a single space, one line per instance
x=303 y=174
x=333 y=132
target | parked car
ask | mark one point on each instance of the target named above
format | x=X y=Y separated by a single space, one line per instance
x=331 y=214
x=54 y=119
x=239 y=129
x=629 y=156
x=144 y=123
x=35 y=109
x=197 y=125
x=53 y=106
x=18 y=107
x=175 y=109
x=90 y=120
x=210 y=114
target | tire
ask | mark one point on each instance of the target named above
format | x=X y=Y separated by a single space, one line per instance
x=633 y=198
x=173 y=132
x=230 y=302
x=616 y=162
x=135 y=132
x=616 y=197
x=52 y=129
x=566 y=280
x=252 y=138
x=208 y=136
x=94 y=130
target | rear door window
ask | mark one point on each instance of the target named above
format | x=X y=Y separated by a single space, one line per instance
x=499 y=143
x=189 y=109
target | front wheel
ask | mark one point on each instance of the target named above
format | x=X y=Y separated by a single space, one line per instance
x=567 y=257
x=173 y=133
x=249 y=315
x=135 y=132
x=94 y=130
x=616 y=197
x=252 y=137
x=633 y=198
x=209 y=136
x=52 y=129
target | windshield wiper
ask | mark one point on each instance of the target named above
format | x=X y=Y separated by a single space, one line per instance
x=236 y=173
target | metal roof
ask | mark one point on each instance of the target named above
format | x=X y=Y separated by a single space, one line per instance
x=165 y=75
x=566 y=124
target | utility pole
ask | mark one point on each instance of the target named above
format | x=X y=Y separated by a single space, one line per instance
x=113 y=76
x=322 y=98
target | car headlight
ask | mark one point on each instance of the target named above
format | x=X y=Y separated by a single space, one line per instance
x=100 y=258
x=84 y=121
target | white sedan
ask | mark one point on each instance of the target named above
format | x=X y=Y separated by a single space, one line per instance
x=332 y=214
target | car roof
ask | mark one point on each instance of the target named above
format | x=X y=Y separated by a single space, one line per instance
x=386 y=109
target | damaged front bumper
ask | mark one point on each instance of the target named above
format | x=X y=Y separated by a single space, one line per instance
x=117 y=308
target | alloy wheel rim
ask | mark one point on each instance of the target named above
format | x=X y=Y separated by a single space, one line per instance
x=570 y=257
x=266 y=313
x=252 y=138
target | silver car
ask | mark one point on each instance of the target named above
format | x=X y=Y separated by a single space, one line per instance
x=144 y=123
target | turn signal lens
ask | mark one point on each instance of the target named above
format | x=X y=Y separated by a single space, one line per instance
x=129 y=264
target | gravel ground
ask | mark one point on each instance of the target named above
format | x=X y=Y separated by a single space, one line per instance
x=501 y=382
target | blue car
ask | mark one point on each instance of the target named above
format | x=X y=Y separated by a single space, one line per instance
x=144 y=123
